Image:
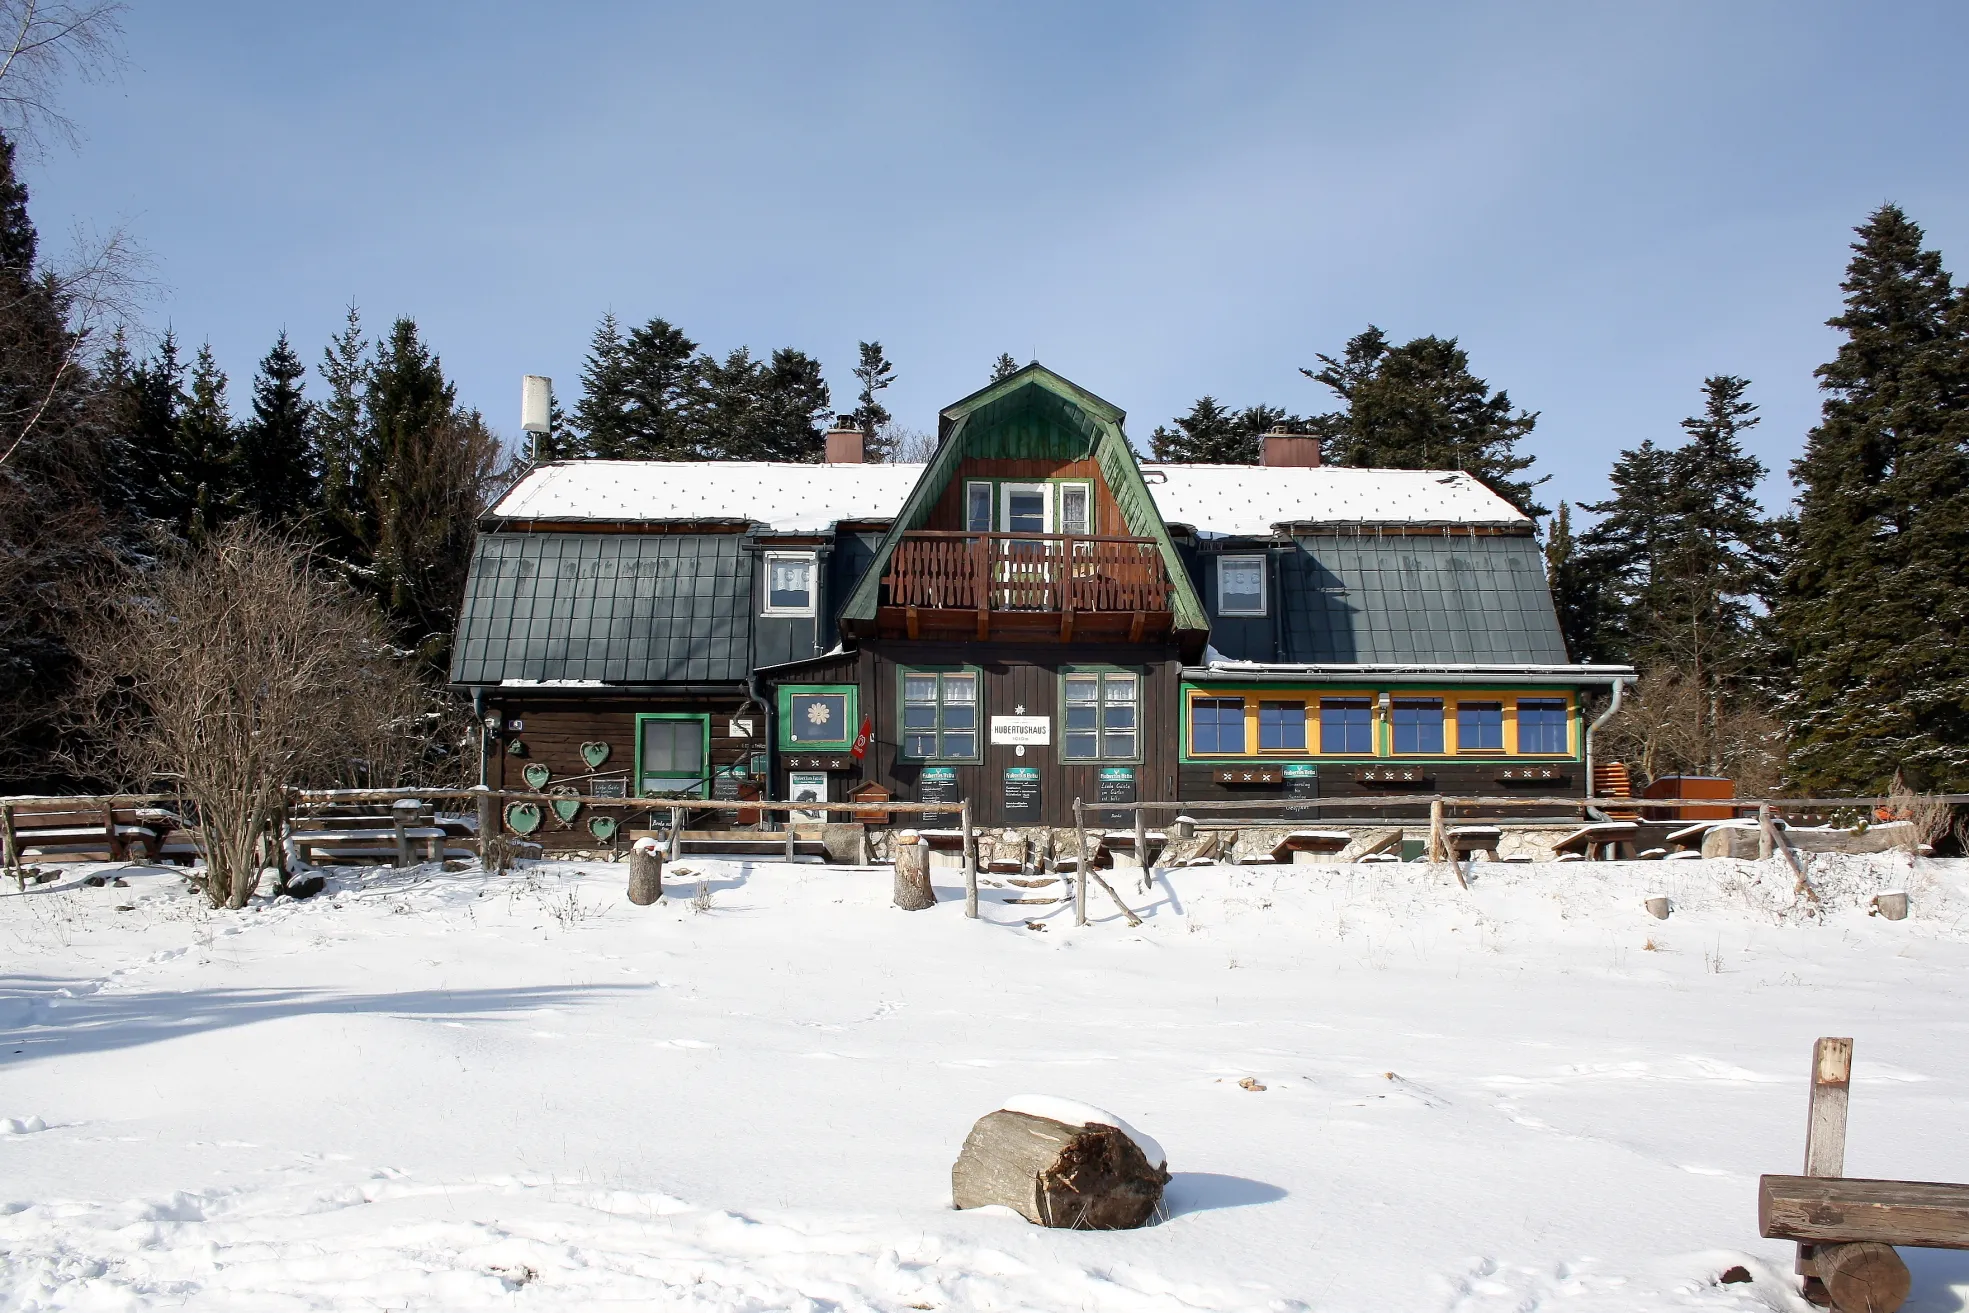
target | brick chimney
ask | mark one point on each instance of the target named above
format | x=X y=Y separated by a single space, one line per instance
x=1282 y=447
x=844 y=446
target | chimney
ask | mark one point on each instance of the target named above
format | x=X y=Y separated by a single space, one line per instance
x=844 y=445
x=1283 y=447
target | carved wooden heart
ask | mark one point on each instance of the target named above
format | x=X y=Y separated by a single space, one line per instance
x=602 y=827
x=594 y=754
x=522 y=817
x=537 y=774
x=566 y=804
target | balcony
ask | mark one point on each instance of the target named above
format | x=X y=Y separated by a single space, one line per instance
x=1041 y=586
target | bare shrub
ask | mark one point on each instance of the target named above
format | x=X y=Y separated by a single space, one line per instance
x=233 y=672
x=1930 y=819
x=1669 y=724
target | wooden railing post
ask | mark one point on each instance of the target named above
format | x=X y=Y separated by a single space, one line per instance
x=1080 y=867
x=676 y=834
x=1766 y=835
x=10 y=846
x=1142 y=845
x=1825 y=1118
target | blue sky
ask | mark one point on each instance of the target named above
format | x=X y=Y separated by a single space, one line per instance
x=1605 y=203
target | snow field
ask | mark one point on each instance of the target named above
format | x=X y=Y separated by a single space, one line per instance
x=430 y=1090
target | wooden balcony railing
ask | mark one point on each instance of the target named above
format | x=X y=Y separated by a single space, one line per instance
x=1026 y=572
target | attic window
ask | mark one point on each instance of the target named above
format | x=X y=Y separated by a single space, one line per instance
x=1240 y=585
x=789 y=583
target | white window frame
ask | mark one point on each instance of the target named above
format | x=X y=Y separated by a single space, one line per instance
x=1086 y=487
x=812 y=560
x=1264 y=585
x=1045 y=493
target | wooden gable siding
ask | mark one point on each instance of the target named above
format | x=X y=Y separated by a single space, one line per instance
x=1017 y=676
x=948 y=513
x=555 y=728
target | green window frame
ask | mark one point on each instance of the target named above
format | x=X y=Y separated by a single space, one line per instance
x=700 y=785
x=929 y=717
x=984 y=503
x=796 y=702
x=1114 y=724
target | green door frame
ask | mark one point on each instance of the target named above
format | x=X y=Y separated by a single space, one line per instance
x=704 y=753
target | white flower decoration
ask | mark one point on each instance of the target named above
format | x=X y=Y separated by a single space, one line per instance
x=818 y=713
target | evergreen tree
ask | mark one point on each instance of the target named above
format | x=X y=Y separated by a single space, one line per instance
x=601 y=423
x=659 y=398
x=1623 y=554
x=1210 y=434
x=1003 y=367
x=1418 y=406
x=203 y=479
x=875 y=373
x=758 y=410
x=342 y=435
x=278 y=463
x=1876 y=593
x=1583 y=595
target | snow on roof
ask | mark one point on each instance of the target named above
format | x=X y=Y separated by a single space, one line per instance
x=1241 y=500
x=785 y=497
x=1228 y=500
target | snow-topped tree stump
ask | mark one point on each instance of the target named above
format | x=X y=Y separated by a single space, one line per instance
x=1063 y=1164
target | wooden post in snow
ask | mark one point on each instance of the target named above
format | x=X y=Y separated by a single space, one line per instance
x=676 y=833
x=1142 y=845
x=913 y=890
x=791 y=835
x=488 y=828
x=400 y=813
x=1080 y=866
x=645 y=872
x=970 y=862
x=1437 y=843
x=1766 y=833
x=1825 y=1106
x=10 y=846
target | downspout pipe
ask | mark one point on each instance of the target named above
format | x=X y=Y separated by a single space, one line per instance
x=1620 y=683
x=485 y=736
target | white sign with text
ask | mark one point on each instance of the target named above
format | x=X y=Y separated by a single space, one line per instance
x=1037 y=730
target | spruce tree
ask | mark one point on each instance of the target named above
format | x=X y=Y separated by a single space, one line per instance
x=1876 y=593
x=1213 y=435
x=1418 y=406
x=875 y=373
x=1003 y=367
x=600 y=425
x=1583 y=595
x=204 y=477
x=278 y=463
x=659 y=394
x=342 y=436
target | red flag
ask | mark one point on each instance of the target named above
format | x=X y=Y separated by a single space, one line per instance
x=860 y=749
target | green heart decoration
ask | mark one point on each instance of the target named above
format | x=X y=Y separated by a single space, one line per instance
x=594 y=754
x=522 y=817
x=566 y=804
x=537 y=774
x=602 y=827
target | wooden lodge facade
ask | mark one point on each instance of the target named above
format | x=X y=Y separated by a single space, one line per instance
x=1030 y=617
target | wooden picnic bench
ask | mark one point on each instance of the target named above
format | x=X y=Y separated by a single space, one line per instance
x=63 y=832
x=1603 y=840
x=1466 y=841
x=1312 y=844
x=1847 y=1227
x=343 y=836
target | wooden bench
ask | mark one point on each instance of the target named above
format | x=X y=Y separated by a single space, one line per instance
x=345 y=836
x=1118 y=843
x=1383 y=847
x=1312 y=843
x=1603 y=840
x=1467 y=840
x=1847 y=1227
x=57 y=832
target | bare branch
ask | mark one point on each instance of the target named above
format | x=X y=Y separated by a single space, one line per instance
x=42 y=45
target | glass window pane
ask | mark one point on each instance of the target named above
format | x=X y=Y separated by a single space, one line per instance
x=818 y=718
x=1281 y=726
x=1083 y=688
x=1418 y=725
x=919 y=688
x=1347 y=725
x=1542 y=725
x=789 y=582
x=1121 y=688
x=959 y=745
x=1073 y=508
x=1121 y=745
x=1081 y=745
x=1217 y=725
x=920 y=745
x=977 y=517
x=1241 y=585
x=960 y=688
x=1081 y=717
x=961 y=716
x=1025 y=511
x=1118 y=716
x=1480 y=726
x=919 y=717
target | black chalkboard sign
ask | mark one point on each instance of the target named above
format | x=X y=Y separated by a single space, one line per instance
x=1301 y=781
x=937 y=784
x=1022 y=793
x=725 y=785
x=615 y=788
x=1115 y=784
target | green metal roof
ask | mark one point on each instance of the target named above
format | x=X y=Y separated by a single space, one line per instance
x=1034 y=414
x=569 y=608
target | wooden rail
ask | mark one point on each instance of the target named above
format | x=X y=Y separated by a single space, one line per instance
x=936 y=570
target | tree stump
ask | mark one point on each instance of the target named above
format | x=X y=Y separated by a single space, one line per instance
x=1658 y=908
x=913 y=891
x=1867 y=1277
x=1893 y=906
x=645 y=872
x=1091 y=1177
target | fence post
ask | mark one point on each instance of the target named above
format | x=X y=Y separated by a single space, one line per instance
x=1765 y=831
x=676 y=833
x=10 y=846
x=1825 y=1120
x=1142 y=844
x=488 y=828
x=1437 y=842
x=789 y=837
x=1080 y=867
x=400 y=812
x=970 y=862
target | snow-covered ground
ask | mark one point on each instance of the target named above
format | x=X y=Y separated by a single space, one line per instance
x=430 y=1090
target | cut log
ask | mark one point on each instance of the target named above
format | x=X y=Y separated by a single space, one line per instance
x=913 y=891
x=1091 y=1177
x=1893 y=906
x=645 y=872
x=1658 y=908
x=1867 y=1277
x=1827 y=1210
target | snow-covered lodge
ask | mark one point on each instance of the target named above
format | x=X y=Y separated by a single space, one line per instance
x=1032 y=616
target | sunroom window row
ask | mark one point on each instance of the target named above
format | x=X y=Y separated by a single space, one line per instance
x=1351 y=725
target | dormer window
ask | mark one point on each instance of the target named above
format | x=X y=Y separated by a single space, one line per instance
x=1240 y=585
x=789 y=583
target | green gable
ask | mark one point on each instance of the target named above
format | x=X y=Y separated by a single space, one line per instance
x=1034 y=415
